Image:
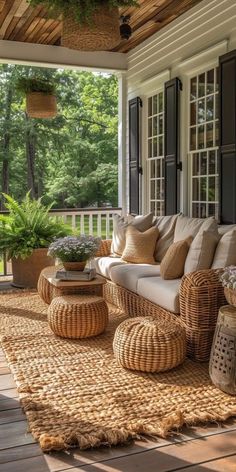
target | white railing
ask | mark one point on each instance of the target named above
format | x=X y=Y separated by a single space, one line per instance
x=93 y=221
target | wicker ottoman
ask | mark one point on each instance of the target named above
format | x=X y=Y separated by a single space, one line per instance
x=73 y=316
x=149 y=344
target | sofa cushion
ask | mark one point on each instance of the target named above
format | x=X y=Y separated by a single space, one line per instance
x=172 y=264
x=166 y=227
x=140 y=246
x=120 y=225
x=186 y=226
x=128 y=275
x=222 y=229
x=225 y=253
x=164 y=293
x=201 y=252
x=103 y=265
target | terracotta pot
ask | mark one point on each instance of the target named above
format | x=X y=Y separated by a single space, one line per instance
x=26 y=271
x=41 y=105
x=74 y=265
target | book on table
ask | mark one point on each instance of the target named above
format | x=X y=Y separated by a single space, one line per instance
x=86 y=274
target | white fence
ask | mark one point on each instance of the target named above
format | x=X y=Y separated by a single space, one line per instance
x=96 y=222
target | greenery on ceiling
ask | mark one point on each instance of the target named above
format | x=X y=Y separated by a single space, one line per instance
x=82 y=10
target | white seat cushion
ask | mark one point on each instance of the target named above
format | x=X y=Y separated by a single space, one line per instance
x=164 y=293
x=128 y=275
x=103 y=265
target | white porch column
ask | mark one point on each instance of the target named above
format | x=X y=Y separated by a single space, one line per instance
x=122 y=140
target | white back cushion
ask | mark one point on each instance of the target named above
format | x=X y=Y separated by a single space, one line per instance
x=186 y=226
x=201 y=252
x=225 y=254
x=166 y=227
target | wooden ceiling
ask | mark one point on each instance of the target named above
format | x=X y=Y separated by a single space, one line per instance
x=20 y=22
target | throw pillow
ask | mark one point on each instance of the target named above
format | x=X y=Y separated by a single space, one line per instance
x=172 y=265
x=120 y=225
x=201 y=252
x=225 y=254
x=166 y=227
x=186 y=226
x=140 y=246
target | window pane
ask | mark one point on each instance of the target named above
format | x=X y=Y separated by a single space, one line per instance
x=154 y=105
x=201 y=85
x=212 y=189
x=201 y=111
x=161 y=147
x=203 y=164
x=154 y=147
x=209 y=135
x=193 y=88
x=154 y=123
x=212 y=209
x=150 y=106
x=158 y=169
x=193 y=145
x=195 y=210
x=158 y=190
x=196 y=170
x=193 y=112
x=153 y=189
x=150 y=148
x=202 y=210
x=195 y=195
x=150 y=127
x=152 y=207
x=152 y=169
x=212 y=162
x=201 y=137
x=210 y=82
x=210 y=108
x=203 y=188
x=160 y=103
x=160 y=125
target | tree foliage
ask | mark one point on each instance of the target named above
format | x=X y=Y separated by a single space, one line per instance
x=71 y=160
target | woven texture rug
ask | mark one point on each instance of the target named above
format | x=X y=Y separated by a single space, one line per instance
x=74 y=393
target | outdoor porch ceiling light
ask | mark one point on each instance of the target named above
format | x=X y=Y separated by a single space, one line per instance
x=125 y=28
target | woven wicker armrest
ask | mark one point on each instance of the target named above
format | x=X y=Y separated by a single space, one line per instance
x=105 y=248
x=201 y=295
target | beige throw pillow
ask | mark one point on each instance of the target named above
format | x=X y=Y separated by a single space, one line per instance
x=166 y=227
x=172 y=265
x=201 y=252
x=225 y=254
x=140 y=246
x=120 y=225
x=186 y=226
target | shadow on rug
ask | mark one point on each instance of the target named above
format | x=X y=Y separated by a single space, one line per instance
x=75 y=394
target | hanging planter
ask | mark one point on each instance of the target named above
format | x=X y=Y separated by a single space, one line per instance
x=88 y=25
x=102 y=34
x=40 y=97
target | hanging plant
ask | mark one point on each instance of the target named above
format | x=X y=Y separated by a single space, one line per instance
x=89 y=25
x=40 y=97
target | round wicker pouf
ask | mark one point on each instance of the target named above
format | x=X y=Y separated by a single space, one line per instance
x=149 y=344
x=73 y=316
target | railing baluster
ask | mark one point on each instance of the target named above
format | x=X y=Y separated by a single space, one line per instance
x=82 y=224
x=91 y=224
x=107 y=225
x=99 y=224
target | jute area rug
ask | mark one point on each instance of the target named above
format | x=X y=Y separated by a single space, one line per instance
x=75 y=394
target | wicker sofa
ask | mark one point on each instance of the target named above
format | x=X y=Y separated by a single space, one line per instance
x=200 y=296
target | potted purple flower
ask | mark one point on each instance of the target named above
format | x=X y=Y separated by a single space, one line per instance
x=74 y=251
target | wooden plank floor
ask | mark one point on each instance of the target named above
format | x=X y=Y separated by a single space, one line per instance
x=202 y=449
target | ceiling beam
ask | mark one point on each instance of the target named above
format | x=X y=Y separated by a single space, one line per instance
x=57 y=56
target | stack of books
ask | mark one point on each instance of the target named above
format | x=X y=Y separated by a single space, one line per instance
x=87 y=274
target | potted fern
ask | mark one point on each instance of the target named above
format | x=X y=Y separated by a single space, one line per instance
x=89 y=25
x=25 y=235
x=40 y=97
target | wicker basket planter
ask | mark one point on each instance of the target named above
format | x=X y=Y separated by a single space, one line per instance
x=102 y=34
x=74 y=265
x=41 y=105
x=230 y=296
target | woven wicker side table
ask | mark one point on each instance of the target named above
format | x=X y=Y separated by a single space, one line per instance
x=149 y=344
x=222 y=366
x=72 y=316
x=49 y=287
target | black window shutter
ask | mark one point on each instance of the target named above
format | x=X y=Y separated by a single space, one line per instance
x=134 y=155
x=227 y=124
x=171 y=146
